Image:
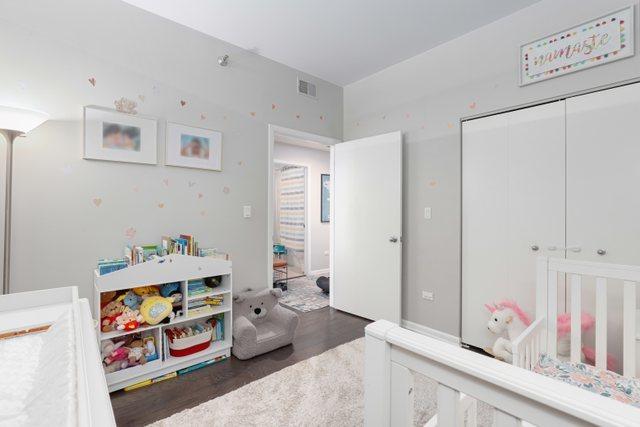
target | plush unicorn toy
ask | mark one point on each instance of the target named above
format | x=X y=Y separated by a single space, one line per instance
x=506 y=316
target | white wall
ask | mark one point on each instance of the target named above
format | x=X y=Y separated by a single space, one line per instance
x=317 y=162
x=425 y=97
x=51 y=49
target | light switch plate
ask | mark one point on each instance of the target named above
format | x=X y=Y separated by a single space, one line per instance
x=427 y=213
x=246 y=211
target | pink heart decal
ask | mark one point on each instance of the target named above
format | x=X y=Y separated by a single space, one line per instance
x=161 y=205
x=130 y=232
x=472 y=105
x=202 y=116
x=203 y=213
x=322 y=118
x=97 y=201
x=183 y=103
x=253 y=113
x=200 y=195
x=226 y=190
x=274 y=106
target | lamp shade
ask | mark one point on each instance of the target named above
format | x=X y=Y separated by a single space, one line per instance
x=20 y=120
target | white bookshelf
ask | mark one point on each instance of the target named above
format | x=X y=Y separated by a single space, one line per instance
x=168 y=269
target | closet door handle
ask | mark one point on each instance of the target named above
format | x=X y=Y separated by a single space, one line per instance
x=601 y=252
x=535 y=248
x=575 y=249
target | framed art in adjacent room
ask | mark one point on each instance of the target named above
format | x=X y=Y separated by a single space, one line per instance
x=119 y=137
x=325 y=197
x=192 y=147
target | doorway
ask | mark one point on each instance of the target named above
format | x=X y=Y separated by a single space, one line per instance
x=299 y=234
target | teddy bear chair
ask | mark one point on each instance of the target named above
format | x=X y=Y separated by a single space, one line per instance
x=260 y=323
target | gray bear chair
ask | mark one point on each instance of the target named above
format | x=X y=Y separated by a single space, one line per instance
x=260 y=324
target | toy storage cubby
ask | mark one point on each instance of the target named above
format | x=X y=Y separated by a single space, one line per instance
x=173 y=268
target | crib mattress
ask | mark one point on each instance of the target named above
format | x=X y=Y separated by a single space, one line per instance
x=600 y=381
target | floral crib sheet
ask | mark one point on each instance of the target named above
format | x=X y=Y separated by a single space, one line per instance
x=600 y=381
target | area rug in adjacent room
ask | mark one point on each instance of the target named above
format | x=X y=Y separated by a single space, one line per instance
x=303 y=294
x=325 y=390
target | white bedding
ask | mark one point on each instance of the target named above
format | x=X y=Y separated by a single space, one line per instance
x=38 y=379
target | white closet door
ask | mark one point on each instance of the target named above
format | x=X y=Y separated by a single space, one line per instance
x=513 y=209
x=603 y=175
x=603 y=200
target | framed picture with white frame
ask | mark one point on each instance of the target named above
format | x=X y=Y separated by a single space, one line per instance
x=119 y=137
x=193 y=147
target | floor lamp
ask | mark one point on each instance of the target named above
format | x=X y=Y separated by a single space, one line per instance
x=14 y=122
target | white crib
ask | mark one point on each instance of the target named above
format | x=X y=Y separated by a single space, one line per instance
x=393 y=354
x=541 y=335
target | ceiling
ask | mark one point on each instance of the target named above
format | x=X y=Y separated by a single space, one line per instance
x=340 y=41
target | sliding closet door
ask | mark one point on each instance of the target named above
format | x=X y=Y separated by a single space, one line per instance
x=512 y=209
x=603 y=196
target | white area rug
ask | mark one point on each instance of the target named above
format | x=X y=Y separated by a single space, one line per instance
x=325 y=390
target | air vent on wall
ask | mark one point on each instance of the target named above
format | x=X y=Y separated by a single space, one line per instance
x=306 y=88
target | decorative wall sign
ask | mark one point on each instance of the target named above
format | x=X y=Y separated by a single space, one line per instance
x=192 y=147
x=597 y=42
x=325 y=197
x=120 y=137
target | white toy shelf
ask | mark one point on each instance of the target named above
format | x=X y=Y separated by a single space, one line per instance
x=168 y=269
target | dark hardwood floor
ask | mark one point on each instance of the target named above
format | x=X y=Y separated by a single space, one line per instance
x=319 y=330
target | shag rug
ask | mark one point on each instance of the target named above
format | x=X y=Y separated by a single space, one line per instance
x=325 y=390
x=304 y=295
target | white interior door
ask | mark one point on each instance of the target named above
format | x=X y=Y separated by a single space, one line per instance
x=512 y=209
x=367 y=226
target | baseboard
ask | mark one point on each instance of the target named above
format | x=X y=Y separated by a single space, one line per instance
x=433 y=333
x=321 y=272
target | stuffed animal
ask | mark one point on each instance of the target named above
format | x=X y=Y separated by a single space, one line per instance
x=173 y=290
x=156 y=308
x=146 y=291
x=128 y=320
x=114 y=352
x=106 y=297
x=506 y=316
x=131 y=300
x=108 y=315
x=137 y=353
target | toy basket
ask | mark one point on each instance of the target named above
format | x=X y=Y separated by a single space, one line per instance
x=180 y=347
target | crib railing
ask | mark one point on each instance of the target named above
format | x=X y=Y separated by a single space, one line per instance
x=548 y=270
x=529 y=345
x=393 y=354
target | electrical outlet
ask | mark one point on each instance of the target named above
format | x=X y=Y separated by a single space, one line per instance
x=246 y=211
x=427 y=295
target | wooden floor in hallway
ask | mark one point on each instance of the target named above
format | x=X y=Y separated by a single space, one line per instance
x=319 y=331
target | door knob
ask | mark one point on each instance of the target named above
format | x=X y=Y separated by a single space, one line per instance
x=393 y=239
x=601 y=252
x=535 y=248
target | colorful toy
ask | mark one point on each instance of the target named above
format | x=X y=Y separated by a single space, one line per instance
x=155 y=309
x=108 y=315
x=131 y=300
x=137 y=353
x=146 y=291
x=173 y=290
x=128 y=320
x=115 y=352
x=507 y=315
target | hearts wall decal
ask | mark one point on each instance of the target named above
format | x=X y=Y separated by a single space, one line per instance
x=473 y=105
x=183 y=102
x=298 y=116
x=92 y=80
x=202 y=116
x=97 y=201
x=161 y=205
x=274 y=106
x=322 y=118
x=253 y=114
x=200 y=195
x=226 y=190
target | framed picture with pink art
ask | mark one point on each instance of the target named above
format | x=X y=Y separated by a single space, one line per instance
x=193 y=147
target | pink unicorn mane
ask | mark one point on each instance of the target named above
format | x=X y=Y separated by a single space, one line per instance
x=524 y=317
x=587 y=322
